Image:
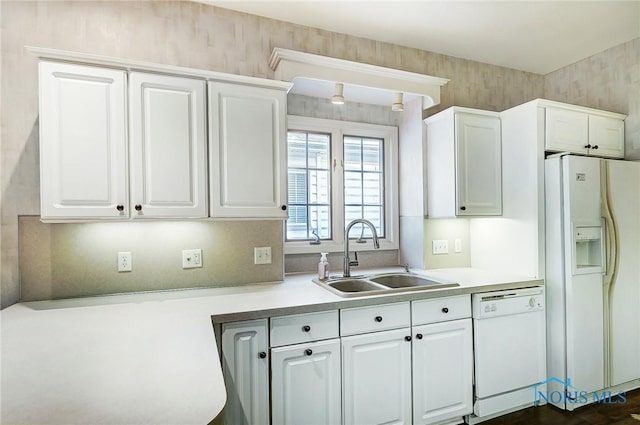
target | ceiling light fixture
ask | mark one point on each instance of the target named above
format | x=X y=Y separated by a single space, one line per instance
x=338 y=98
x=397 y=105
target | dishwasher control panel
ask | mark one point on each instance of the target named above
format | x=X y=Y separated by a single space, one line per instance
x=500 y=303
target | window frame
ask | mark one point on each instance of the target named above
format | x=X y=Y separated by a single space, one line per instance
x=338 y=129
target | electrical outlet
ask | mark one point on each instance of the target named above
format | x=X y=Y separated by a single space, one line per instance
x=191 y=258
x=262 y=255
x=440 y=246
x=124 y=262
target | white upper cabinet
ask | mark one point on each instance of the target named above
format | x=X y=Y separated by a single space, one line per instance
x=583 y=131
x=168 y=146
x=89 y=171
x=464 y=163
x=127 y=140
x=83 y=141
x=606 y=136
x=566 y=130
x=247 y=151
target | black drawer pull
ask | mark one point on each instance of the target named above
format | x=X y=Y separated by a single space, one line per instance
x=308 y=352
x=262 y=355
x=407 y=338
x=445 y=310
x=378 y=319
x=419 y=336
x=306 y=328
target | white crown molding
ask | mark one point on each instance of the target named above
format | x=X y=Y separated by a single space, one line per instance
x=289 y=64
x=136 y=65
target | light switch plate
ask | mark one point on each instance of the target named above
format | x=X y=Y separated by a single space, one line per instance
x=262 y=255
x=440 y=246
x=191 y=258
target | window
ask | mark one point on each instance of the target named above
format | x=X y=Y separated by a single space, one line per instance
x=339 y=171
x=309 y=185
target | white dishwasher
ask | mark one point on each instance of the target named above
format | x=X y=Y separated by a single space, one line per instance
x=509 y=350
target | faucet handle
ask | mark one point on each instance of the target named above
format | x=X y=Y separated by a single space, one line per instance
x=354 y=262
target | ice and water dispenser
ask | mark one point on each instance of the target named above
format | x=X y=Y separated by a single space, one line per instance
x=588 y=248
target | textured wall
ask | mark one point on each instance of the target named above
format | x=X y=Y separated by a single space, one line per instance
x=609 y=80
x=192 y=35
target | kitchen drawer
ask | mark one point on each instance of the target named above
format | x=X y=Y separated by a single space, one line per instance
x=440 y=309
x=374 y=318
x=306 y=327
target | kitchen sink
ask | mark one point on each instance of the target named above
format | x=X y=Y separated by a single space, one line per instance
x=381 y=284
x=355 y=285
x=403 y=280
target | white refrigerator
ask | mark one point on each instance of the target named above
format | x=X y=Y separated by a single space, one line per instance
x=592 y=277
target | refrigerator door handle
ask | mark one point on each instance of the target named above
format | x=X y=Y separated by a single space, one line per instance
x=606 y=249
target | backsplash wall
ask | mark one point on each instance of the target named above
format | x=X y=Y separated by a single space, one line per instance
x=192 y=35
x=75 y=260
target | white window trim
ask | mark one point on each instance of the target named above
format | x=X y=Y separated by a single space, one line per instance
x=338 y=129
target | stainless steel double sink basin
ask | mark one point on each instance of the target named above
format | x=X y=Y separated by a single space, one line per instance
x=358 y=286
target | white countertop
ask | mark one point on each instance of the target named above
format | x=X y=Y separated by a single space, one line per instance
x=152 y=358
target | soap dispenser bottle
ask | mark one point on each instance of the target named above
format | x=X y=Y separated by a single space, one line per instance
x=323 y=267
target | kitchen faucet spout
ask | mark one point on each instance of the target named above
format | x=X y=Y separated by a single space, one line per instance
x=376 y=244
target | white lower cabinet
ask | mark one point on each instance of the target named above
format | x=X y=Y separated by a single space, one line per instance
x=377 y=378
x=399 y=363
x=305 y=384
x=442 y=371
x=245 y=365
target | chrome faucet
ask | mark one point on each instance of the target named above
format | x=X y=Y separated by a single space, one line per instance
x=376 y=244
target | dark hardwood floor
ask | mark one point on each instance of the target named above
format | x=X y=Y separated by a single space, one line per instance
x=593 y=414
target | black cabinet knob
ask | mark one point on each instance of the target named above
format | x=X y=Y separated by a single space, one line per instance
x=308 y=352
x=419 y=336
x=283 y=208
x=407 y=338
x=138 y=207
x=306 y=328
x=587 y=146
x=595 y=147
x=463 y=208
x=262 y=355
x=445 y=310
x=378 y=319
x=120 y=207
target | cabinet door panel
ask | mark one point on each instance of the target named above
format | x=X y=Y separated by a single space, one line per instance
x=306 y=384
x=82 y=142
x=168 y=146
x=566 y=131
x=478 y=165
x=377 y=378
x=608 y=135
x=248 y=151
x=442 y=371
x=246 y=373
